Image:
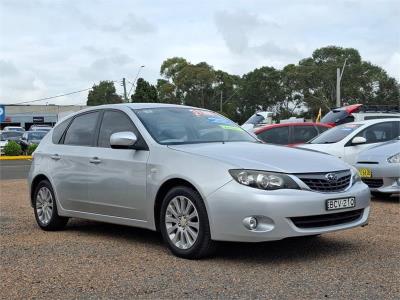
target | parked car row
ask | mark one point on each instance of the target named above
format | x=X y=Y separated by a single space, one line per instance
x=23 y=138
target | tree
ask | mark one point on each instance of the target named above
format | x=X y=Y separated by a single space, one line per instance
x=103 y=93
x=144 y=92
x=362 y=81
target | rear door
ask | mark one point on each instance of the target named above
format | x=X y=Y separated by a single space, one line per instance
x=70 y=161
x=118 y=177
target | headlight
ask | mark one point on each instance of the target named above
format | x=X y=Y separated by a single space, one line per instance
x=355 y=175
x=395 y=159
x=263 y=180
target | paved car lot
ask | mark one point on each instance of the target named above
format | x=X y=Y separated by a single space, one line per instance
x=14 y=169
x=96 y=260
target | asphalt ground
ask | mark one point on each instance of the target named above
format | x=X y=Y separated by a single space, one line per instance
x=14 y=169
x=90 y=260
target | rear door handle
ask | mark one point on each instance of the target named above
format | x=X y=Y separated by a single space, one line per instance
x=95 y=160
x=55 y=157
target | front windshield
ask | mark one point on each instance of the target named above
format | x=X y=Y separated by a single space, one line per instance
x=334 y=116
x=37 y=135
x=335 y=134
x=175 y=125
x=5 y=135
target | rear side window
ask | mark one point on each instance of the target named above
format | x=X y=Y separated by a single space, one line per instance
x=278 y=135
x=59 y=131
x=81 y=132
x=302 y=134
x=114 y=121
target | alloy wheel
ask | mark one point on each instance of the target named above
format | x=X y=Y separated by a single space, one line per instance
x=44 y=205
x=182 y=222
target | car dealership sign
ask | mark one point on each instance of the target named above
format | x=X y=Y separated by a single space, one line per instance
x=2 y=113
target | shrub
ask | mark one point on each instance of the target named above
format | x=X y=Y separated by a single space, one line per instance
x=12 y=149
x=31 y=149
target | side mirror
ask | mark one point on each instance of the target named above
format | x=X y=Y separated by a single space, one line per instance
x=359 y=140
x=123 y=140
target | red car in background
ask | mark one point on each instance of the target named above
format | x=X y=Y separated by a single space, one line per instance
x=290 y=133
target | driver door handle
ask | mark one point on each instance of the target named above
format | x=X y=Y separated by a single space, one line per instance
x=55 y=157
x=95 y=160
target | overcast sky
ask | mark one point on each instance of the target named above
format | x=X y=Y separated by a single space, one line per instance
x=54 y=47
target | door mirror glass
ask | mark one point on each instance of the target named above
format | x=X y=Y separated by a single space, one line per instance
x=123 y=140
x=359 y=140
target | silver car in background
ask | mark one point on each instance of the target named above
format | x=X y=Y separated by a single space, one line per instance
x=379 y=168
x=193 y=175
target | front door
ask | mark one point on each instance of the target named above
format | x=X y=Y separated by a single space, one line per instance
x=117 y=184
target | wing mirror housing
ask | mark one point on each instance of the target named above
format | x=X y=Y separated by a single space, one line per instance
x=123 y=140
x=358 y=140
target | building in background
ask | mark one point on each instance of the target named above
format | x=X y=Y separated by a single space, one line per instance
x=27 y=115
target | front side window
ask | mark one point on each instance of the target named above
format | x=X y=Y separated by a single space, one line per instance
x=278 y=135
x=381 y=132
x=113 y=121
x=302 y=134
x=175 y=125
x=81 y=132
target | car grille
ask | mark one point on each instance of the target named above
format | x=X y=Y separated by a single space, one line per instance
x=319 y=182
x=327 y=219
x=373 y=183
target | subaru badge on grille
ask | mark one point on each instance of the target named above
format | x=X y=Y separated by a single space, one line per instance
x=331 y=177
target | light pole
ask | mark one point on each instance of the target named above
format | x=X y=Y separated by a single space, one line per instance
x=134 y=81
x=338 y=81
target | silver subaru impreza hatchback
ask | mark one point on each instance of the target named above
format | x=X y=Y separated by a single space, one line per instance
x=192 y=174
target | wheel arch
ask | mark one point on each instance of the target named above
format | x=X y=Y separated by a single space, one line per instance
x=38 y=178
x=164 y=189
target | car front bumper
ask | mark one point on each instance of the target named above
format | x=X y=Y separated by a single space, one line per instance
x=232 y=203
x=385 y=177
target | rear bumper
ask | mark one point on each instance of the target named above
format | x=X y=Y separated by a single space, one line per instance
x=275 y=210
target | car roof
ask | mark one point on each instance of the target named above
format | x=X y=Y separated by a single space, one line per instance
x=373 y=121
x=267 y=127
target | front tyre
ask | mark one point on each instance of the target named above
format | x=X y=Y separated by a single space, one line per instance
x=184 y=224
x=45 y=208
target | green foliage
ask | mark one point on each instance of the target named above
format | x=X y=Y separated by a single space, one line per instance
x=103 y=93
x=296 y=90
x=31 y=148
x=12 y=148
x=144 y=92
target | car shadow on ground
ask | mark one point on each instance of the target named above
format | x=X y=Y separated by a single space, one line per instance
x=391 y=199
x=298 y=248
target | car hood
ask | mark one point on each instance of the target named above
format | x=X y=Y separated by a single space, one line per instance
x=380 y=153
x=317 y=147
x=266 y=157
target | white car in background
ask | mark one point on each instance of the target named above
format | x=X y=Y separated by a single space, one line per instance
x=348 y=140
x=379 y=168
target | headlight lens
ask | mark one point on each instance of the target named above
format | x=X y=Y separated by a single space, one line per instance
x=395 y=159
x=263 y=180
x=355 y=174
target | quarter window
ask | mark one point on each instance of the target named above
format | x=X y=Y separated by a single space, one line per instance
x=59 y=131
x=82 y=130
x=114 y=121
x=278 y=135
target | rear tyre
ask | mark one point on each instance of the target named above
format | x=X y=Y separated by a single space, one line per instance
x=184 y=224
x=45 y=208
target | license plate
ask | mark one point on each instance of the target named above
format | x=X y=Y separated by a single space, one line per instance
x=342 y=203
x=365 y=172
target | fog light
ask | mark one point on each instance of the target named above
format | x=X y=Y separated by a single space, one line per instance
x=250 y=223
